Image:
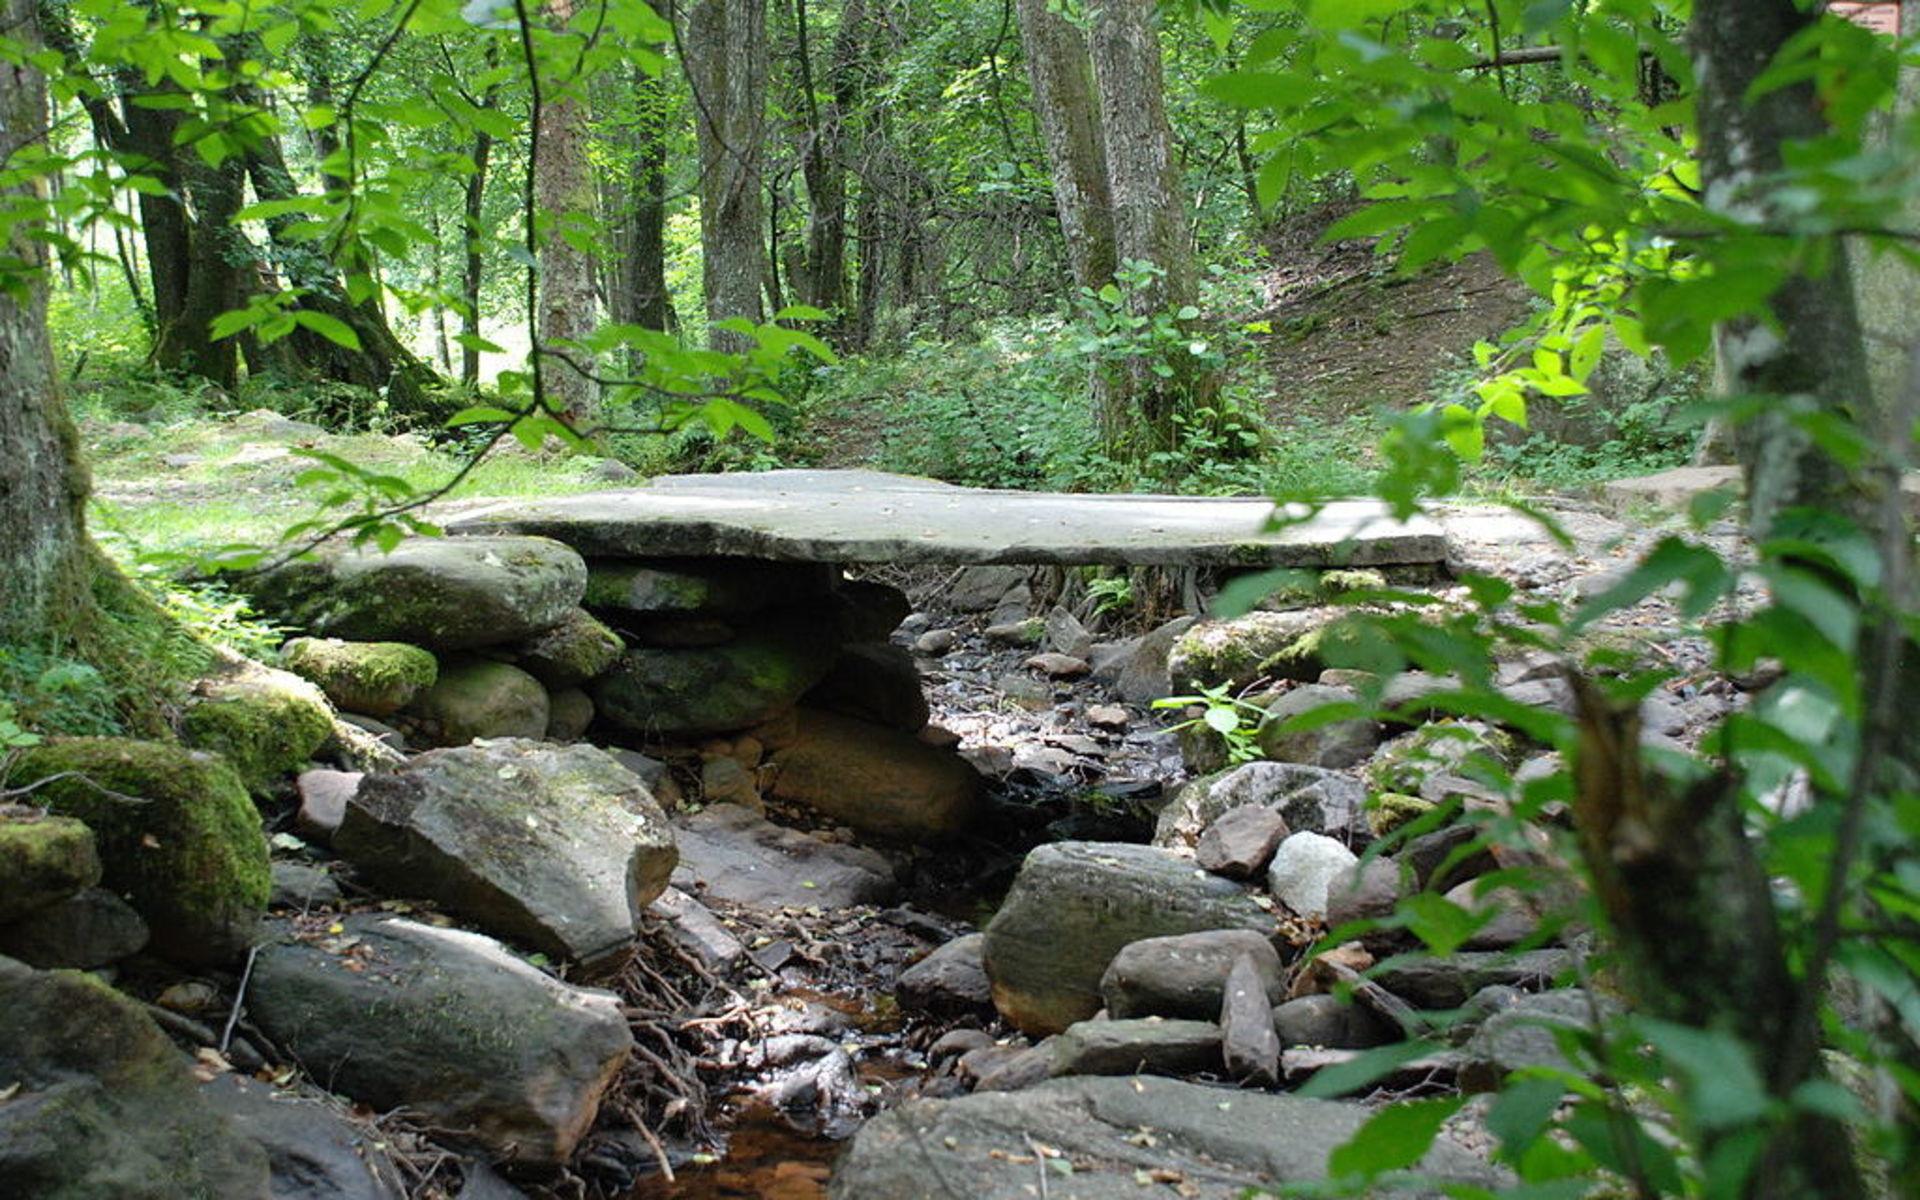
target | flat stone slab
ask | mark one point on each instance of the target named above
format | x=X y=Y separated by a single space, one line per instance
x=868 y=516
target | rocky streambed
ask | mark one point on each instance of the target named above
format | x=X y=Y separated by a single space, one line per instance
x=630 y=877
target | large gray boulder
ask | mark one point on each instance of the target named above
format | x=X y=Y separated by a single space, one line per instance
x=105 y=1108
x=312 y=1151
x=443 y=593
x=688 y=692
x=1186 y=975
x=1075 y=905
x=479 y=698
x=394 y=1013
x=729 y=852
x=1313 y=799
x=556 y=848
x=1138 y=1046
x=1221 y=1143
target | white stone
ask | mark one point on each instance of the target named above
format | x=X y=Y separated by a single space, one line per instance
x=1303 y=869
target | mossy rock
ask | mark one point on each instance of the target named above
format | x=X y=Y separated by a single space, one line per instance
x=1403 y=764
x=374 y=679
x=716 y=689
x=1389 y=811
x=177 y=836
x=1238 y=652
x=43 y=860
x=267 y=723
x=482 y=699
x=1337 y=582
x=576 y=650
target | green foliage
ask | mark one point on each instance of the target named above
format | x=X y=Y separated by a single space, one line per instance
x=1236 y=722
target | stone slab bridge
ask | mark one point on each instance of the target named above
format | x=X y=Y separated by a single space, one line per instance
x=825 y=516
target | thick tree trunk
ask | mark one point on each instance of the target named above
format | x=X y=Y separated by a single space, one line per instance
x=44 y=562
x=474 y=267
x=823 y=284
x=563 y=195
x=726 y=62
x=1149 y=214
x=1068 y=114
x=219 y=262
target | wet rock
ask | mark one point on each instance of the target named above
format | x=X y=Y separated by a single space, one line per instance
x=732 y=853
x=88 y=929
x=1220 y=1144
x=705 y=586
x=953 y=979
x=1303 y=868
x=576 y=650
x=482 y=699
x=442 y=593
x=1185 y=975
x=299 y=886
x=1142 y=676
x=1334 y=745
x=980 y=589
x=191 y=859
x=1057 y=666
x=1312 y=799
x=447 y=1023
x=934 y=642
x=374 y=678
x=1248 y=1044
x=719 y=689
x=955 y=1043
x=725 y=781
x=695 y=929
x=1075 y=905
x=1326 y=1020
x=879 y=781
x=569 y=713
x=559 y=849
x=1145 y=1046
x=312 y=1152
x=1445 y=981
x=1066 y=635
x=323 y=802
x=104 y=1105
x=43 y=860
x=1241 y=842
x=875 y=682
x=1523 y=1034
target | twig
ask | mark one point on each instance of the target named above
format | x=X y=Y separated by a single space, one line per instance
x=239 y=998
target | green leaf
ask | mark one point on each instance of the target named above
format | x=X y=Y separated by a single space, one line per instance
x=1522 y=1112
x=331 y=328
x=1396 y=1137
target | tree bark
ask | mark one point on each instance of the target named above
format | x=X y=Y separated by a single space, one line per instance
x=639 y=295
x=1069 y=117
x=823 y=159
x=473 y=269
x=726 y=64
x=563 y=190
x=44 y=563
x=1149 y=215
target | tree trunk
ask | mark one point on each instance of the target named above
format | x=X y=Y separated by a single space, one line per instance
x=639 y=295
x=726 y=63
x=44 y=562
x=472 y=271
x=1069 y=118
x=824 y=281
x=1149 y=215
x=563 y=196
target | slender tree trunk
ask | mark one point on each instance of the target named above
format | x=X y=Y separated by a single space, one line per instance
x=726 y=62
x=1149 y=214
x=44 y=561
x=563 y=188
x=824 y=282
x=474 y=267
x=639 y=295
x=1065 y=108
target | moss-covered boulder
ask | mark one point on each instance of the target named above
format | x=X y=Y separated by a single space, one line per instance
x=1238 y=652
x=481 y=699
x=267 y=723
x=43 y=860
x=374 y=679
x=571 y=653
x=100 y=1106
x=703 y=585
x=177 y=836
x=1405 y=763
x=715 y=689
x=442 y=593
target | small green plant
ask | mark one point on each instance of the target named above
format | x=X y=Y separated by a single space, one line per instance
x=1111 y=593
x=1235 y=720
